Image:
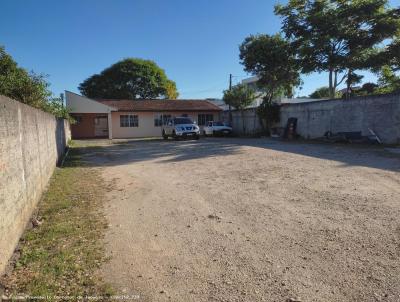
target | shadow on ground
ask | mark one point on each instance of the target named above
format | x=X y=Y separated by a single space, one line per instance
x=121 y=152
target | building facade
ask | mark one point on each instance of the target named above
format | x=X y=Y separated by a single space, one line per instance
x=108 y=118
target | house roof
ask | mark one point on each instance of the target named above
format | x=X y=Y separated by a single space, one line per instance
x=160 y=105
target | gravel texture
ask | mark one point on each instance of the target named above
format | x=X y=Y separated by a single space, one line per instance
x=251 y=220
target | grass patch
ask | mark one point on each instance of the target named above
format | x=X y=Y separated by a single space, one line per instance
x=61 y=256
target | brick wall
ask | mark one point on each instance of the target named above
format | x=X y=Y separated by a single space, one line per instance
x=31 y=144
x=85 y=127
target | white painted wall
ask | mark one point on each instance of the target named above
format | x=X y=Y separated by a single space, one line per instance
x=146 y=124
x=80 y=104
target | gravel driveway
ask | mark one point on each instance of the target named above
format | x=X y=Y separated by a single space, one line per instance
x=251 y=220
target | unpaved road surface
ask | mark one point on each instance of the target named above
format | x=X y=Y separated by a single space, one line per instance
x=251 y=220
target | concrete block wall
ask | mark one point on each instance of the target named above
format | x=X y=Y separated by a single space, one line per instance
x=251 y=121
x=31 y=144
x=379 y=113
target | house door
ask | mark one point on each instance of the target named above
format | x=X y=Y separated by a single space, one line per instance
x=101 y=126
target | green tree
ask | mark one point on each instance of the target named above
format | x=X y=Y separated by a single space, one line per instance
x=56 y=107
x=388 y=81
x=29 y=88
x=171 y=91
x=337 y=35
x=272 y=59
x=393 y=53
x=130 y=78
x=239 y=97
x=351 y=80
x=367 y=88
x=368 y=23
x=387 y=66
x=312 y=28
x=269 y=113
x=320 y=93
x=18 y=84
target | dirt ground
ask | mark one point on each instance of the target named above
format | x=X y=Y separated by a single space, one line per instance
x=251 y=220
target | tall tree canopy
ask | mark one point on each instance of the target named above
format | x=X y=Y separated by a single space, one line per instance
x=130 y=78
x=272 y=59
x=171 y=91
x=337 y=35
x=239 y=97
x=17 y=83
x=393 y=53
x=27 y=87
x=388 y=81
x=319 y=93
x=387 y=67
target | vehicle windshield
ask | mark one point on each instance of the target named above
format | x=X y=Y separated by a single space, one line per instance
x=182 y=120
x=219 y=124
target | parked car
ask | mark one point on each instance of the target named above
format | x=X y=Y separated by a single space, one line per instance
x=181 y=127
x=217 y=128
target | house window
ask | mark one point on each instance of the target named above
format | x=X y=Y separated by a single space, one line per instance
x=78 y=119
x=161 y=119
x=202 y=119
x=129 y=120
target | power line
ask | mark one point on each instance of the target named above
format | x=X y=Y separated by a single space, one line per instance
x=218 y=87
x=233 y=80
x=202 y=91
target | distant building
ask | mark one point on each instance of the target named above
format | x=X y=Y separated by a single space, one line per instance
x=115 y=118
x=252 y=83
x=219 y=102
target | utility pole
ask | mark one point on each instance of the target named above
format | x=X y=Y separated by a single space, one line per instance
x=62 y=99
x=230 y=110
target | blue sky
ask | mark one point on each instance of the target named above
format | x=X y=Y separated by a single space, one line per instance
x=195 y=41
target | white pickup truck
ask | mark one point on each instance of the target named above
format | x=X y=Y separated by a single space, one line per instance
x=216 y=128
x=181 y=127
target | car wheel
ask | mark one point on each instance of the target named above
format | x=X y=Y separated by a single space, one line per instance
x=164 y=135
x=174 y=135
x=197 y=137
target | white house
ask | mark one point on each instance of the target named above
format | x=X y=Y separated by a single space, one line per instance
x=115 y=118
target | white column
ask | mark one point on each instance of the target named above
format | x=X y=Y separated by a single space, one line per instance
x=109 y=126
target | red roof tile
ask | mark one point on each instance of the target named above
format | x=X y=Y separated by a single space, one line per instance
x=160 y=105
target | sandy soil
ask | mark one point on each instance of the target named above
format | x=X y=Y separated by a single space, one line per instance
x=252 y=220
